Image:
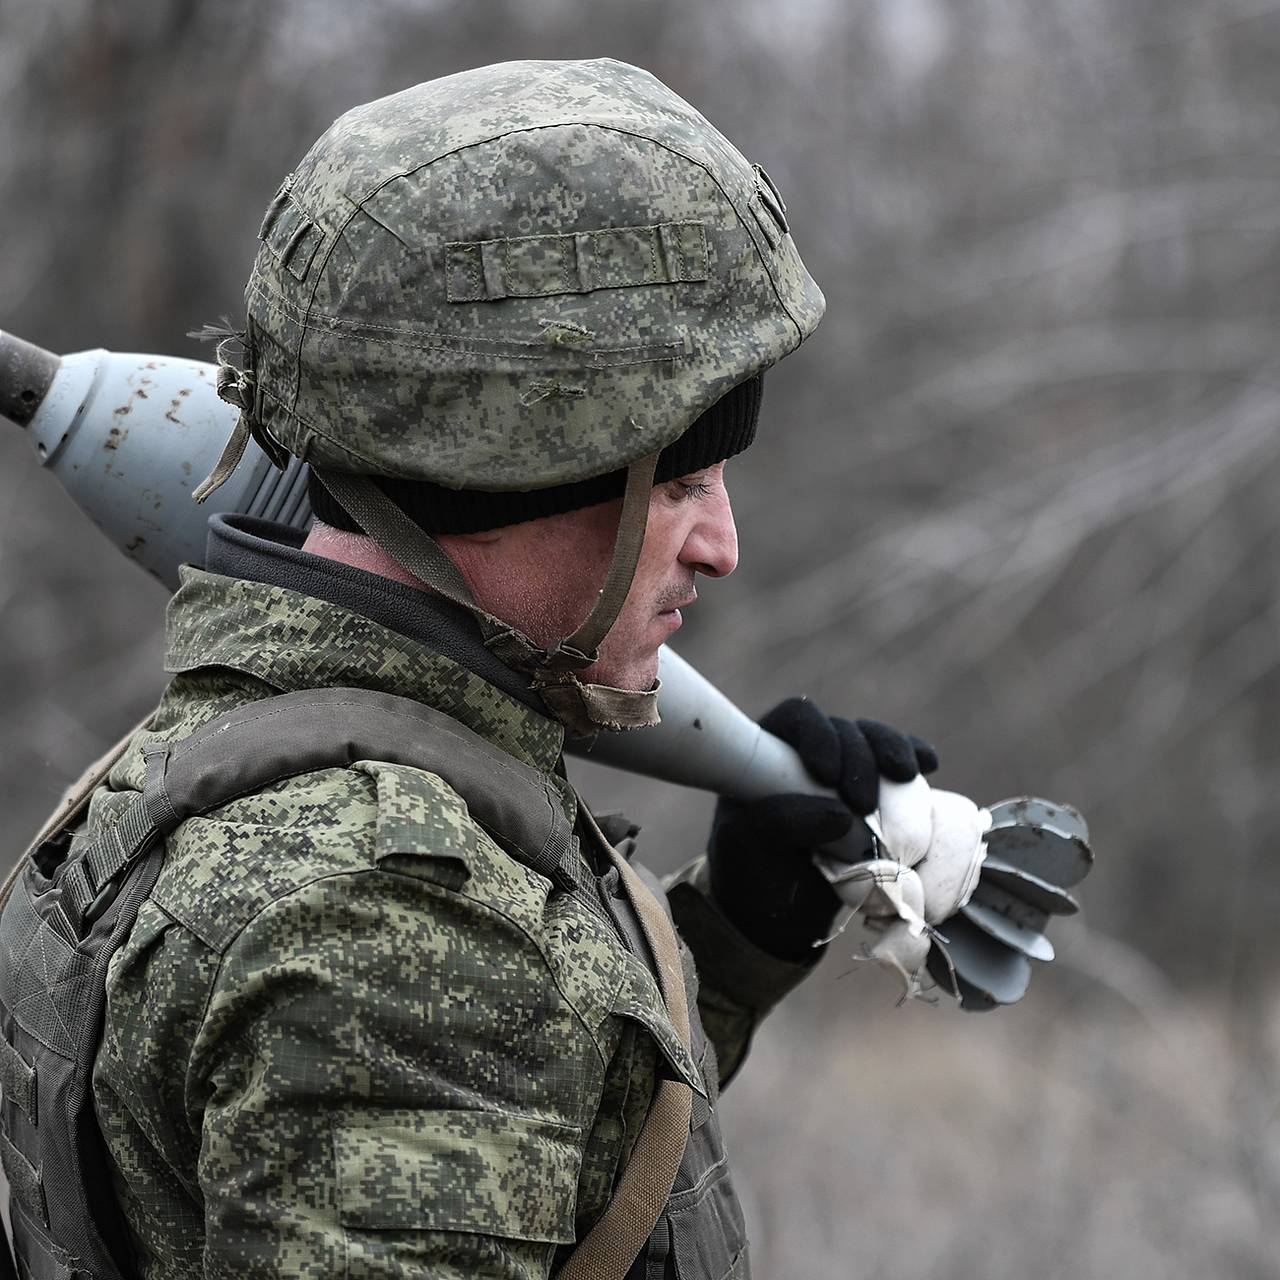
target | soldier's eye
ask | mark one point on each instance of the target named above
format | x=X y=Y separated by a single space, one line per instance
x=699 y=489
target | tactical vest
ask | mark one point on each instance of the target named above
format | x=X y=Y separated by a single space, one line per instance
x=69 y=911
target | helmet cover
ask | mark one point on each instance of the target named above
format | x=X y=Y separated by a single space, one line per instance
x=515 y=277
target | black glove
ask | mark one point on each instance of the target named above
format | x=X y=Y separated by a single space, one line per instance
x=760 y=854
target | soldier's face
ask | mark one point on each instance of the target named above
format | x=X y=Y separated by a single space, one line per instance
x=690 y=532
x=543 y=575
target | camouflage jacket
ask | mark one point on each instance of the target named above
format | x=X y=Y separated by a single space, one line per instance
x=348 y=1034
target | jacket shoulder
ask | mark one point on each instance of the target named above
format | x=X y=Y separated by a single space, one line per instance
x=223 y=869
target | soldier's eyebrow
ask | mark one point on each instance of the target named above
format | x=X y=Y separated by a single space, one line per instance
x=703 y=475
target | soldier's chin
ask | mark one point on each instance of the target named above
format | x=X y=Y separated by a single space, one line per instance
x=635 y=674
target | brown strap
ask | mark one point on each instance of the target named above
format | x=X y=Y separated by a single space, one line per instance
x=72 y=805
x=228 y=459
x=612 y=1245
x=419 y=553
x=408 y=545
x=661 y=936
x=622 y=566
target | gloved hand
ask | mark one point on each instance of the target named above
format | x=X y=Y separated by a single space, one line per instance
x=760 y=855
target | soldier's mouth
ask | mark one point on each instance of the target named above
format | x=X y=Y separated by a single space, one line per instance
x=672 y=617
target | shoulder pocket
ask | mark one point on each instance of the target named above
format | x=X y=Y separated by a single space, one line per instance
x=493 y=1173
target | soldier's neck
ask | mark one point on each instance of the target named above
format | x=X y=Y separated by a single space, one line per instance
x=358 y=550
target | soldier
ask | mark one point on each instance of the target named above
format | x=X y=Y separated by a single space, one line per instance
x=517 y=321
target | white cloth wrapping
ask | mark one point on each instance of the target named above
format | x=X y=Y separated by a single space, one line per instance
x=931 y=854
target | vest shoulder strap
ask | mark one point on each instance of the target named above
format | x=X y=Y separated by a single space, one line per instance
x=72 y=805
x=296 y=733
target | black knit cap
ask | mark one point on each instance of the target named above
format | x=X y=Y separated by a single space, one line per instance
x=725 y=429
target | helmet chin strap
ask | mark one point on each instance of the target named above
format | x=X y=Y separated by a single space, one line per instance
x=583 y=708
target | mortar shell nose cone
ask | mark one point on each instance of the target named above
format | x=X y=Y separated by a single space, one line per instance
x=26 y=373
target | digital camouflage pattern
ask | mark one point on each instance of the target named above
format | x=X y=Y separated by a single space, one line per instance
x=515 y=277
x=348 y=1034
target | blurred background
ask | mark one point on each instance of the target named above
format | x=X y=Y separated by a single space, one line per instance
x=1018 y=495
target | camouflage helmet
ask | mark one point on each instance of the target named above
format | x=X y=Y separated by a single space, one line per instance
x=510 y=279
x=516 y=277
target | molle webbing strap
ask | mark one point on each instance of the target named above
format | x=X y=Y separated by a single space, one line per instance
x=612 y=1245
x=24 y=1181
x=294 y=733
x=76 y=798
x=17 y=1080
x=579 y=262
x=87 y=883
x=73 y=804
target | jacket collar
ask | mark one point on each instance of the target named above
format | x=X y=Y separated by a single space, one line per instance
x=293 y=641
